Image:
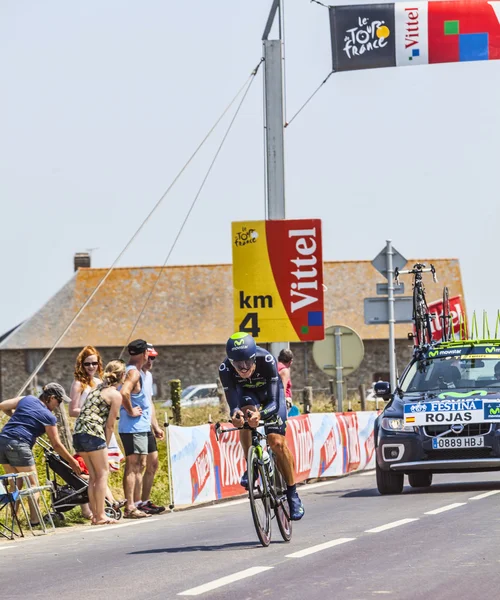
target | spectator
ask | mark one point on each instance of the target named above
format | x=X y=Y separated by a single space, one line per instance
x=31 y=417
x=142 y=499
x=93 y=430
x=134 y=426
x=85 y=474
x=88 y=375
x=285 y=360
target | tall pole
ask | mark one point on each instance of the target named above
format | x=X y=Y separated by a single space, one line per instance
x=339 y=368
x=390 y=302
x=274 y=127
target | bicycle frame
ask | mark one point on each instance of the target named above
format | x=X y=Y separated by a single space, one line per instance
x=269 y=489
x=421 y=315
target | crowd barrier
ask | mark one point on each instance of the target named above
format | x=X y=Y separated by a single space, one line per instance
x=323 y=444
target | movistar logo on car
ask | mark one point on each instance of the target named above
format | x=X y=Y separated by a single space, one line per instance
x=491 y=410
x=448 y=352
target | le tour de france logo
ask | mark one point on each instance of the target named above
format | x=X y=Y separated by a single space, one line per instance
x=366 y=36
x=245 y=236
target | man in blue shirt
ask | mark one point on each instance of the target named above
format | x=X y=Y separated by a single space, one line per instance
x=134 y=425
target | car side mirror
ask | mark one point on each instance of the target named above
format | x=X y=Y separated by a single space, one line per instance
x=382 y=389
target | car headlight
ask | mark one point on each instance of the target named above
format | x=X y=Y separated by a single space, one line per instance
x=394 y=424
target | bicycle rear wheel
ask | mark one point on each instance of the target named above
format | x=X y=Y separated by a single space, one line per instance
x=258 y=494
x=281 y=508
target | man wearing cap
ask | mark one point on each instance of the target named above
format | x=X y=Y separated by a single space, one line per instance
x=134 y=426
x=143 y=502
x=31 y=417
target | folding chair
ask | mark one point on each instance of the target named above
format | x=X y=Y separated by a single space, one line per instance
x=28 y=491
x=8 y=501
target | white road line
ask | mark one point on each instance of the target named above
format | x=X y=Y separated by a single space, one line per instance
x=94 y=528
x=485 y=495
x=231 y=503
x=445 y=508
x=217 y=583
x=390 y=525
x=319 y=547
x=6 y=547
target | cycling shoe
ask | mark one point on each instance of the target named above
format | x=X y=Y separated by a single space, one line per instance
x=296 y=507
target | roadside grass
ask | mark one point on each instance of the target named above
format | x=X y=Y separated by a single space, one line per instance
x=161 y=489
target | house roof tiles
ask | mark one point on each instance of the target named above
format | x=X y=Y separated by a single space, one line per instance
x=193 y=305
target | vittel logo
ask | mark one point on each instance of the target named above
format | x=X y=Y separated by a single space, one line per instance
x=412 y=32
x=305 y=290
x=304 y=445
x=232 y=459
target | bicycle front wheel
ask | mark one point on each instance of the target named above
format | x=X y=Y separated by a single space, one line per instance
x=281 y=508
x=258 y=493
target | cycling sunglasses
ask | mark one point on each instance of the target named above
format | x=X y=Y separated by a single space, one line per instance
x=243 y=365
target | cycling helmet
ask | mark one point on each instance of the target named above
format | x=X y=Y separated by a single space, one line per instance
x=241 y=347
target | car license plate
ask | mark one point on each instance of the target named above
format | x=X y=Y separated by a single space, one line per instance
x=443 y=443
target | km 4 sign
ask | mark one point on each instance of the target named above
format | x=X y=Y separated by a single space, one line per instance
x=278 y=279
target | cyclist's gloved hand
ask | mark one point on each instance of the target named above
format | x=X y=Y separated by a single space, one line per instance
x=253 y=418
x=237 y=418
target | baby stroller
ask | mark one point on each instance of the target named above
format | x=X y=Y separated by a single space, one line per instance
x=75 y=490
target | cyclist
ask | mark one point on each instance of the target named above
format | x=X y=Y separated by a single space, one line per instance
x=250 y=379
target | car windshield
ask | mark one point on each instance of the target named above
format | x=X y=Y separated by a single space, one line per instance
x=187 y=390
x=465 y=373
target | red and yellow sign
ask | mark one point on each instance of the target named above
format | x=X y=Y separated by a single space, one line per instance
x=278 y=280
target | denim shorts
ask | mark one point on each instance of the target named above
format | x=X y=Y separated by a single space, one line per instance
x=84 y=442
x=15 y=453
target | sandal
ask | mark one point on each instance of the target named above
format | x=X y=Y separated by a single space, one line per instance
x=135 y=514
x=106 y=522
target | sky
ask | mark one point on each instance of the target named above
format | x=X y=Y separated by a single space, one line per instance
x=104 y=102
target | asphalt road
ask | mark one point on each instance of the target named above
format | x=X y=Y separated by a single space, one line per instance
x=352 y=544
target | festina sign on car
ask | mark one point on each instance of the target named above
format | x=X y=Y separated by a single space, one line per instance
x=278 y=279
x=457 y=313
x=452 y=412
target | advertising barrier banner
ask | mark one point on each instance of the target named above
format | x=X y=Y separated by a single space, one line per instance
x=278 y=279
x=323 y=445
x=368 y=36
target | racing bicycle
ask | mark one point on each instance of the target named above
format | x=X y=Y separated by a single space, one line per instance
x=421 y=315
x=266 y=487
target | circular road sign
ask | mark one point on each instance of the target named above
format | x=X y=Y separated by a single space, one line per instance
x=352 y=351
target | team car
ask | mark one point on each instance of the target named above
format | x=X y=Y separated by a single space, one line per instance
x=443 y=417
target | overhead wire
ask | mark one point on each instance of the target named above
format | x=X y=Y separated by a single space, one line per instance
x=193 y=203
x=112 y=267
x=310 y=98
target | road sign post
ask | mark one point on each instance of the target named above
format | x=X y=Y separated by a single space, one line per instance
x=338 y=355
x=385 y=262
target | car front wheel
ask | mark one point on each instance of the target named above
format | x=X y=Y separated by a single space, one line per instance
x=389 y=482
x=420 y=479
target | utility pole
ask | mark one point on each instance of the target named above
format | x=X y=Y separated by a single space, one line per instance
x=392 y=320
x=274 y=126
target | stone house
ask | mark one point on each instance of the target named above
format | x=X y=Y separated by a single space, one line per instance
x=188 y=318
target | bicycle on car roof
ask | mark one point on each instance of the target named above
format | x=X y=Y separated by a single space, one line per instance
x=266 y=486
x=422 y=317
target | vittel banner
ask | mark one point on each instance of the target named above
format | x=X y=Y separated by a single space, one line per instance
x=323 y=445
x=411 y=34
x=406 y=33
x=278 y=279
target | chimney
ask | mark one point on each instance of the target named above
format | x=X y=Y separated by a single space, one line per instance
x=82 y=259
